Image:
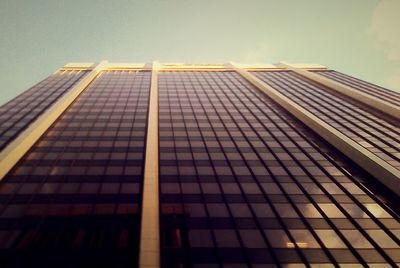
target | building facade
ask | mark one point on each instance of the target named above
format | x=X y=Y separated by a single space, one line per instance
x=176 y=165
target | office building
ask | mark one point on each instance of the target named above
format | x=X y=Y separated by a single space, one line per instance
x=178 y=165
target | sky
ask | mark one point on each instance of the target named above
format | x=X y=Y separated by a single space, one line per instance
x=357 y=37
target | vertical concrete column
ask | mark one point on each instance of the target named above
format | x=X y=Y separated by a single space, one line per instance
x=149 y=255
x=18 y=147
x=381 y=170
x=355 y=94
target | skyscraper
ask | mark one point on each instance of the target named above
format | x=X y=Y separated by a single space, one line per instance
x=177 y=165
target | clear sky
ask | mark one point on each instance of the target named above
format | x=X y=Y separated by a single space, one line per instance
x=358 y=37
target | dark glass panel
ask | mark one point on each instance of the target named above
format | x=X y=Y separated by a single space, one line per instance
x=74 y=199
x=243 y=183
x=20 y=112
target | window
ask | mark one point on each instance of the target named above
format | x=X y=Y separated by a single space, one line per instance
x=226 y=238
x=200 y=238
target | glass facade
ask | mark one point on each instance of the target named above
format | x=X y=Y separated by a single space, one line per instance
x=21 y=111
x=243 y=184
x=382 y=93
x=74 y=199
x=376 y=132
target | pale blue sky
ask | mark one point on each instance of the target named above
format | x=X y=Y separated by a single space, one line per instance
x=358 y=37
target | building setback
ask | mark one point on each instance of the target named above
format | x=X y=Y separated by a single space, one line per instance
x=177 y=165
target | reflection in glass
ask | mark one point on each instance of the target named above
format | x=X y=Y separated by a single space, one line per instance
x=356 y=239
x=308 y=210
x=331 y=211
x=330 y=238
x=303 y=238
x=382 y=238
x=277 y=238
x=377 y=211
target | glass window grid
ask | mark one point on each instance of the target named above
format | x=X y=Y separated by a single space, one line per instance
x=75 y=177
x=18 y=113
x=162 y=113
x=353 y=191
x=390 y=96
x=203 y=201
x=377 y=134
